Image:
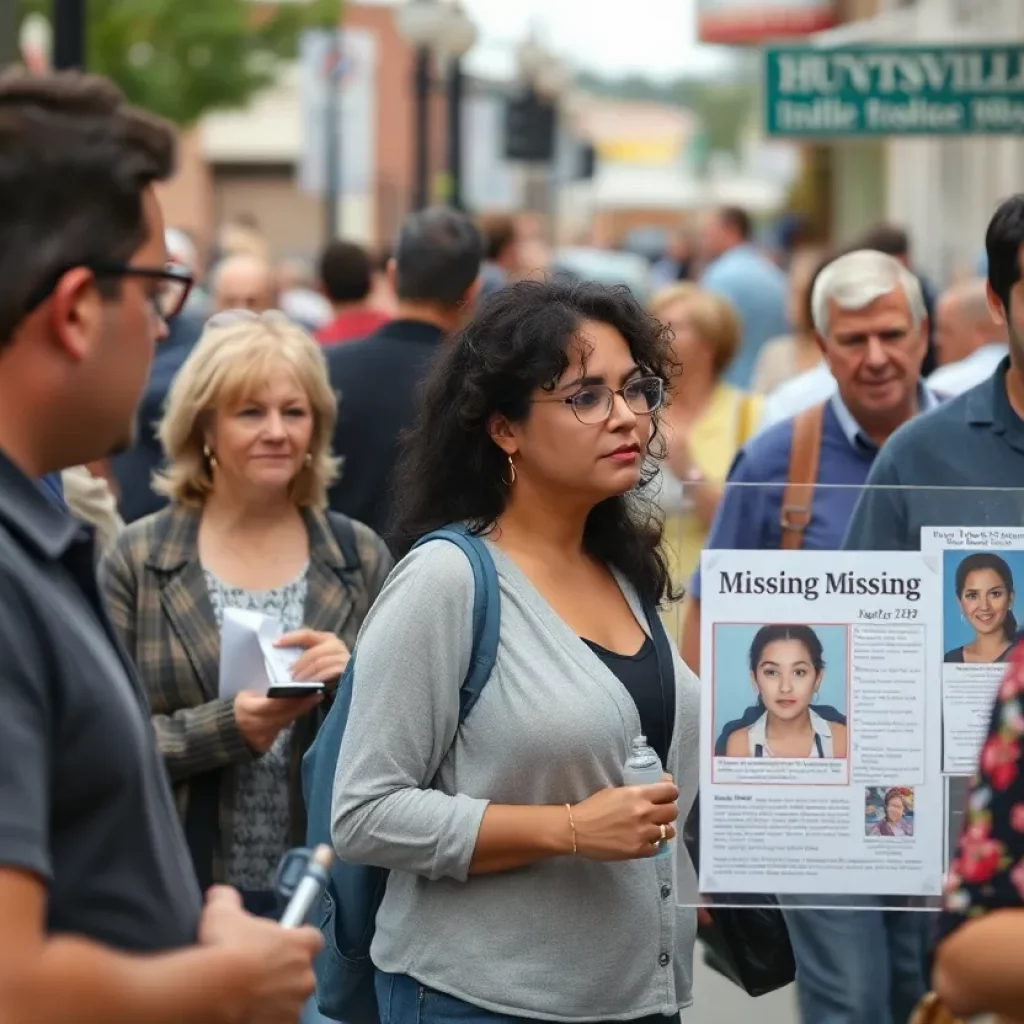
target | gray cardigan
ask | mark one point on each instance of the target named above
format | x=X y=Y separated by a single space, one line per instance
x=566 y=939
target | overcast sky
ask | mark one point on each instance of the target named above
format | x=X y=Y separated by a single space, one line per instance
x=614 y=37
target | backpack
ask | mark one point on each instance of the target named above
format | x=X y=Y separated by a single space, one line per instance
x=348 y=913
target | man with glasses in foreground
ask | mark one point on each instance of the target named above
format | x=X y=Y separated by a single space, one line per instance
x=102 y=921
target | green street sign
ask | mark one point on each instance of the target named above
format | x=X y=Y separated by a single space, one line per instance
x=894 y=90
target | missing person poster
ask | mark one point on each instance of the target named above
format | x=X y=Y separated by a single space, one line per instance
x=821 y=768
x=981 y=616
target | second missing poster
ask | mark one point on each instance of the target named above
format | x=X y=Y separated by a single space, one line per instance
x=980 y=611
x=821 y=763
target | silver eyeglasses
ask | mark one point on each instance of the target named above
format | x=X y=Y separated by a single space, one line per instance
x=593 y=403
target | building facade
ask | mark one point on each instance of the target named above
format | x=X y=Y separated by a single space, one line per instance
x=248 y=161
x=942 y=189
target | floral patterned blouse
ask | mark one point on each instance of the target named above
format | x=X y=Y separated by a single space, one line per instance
x=262 y=812
x=988 y=870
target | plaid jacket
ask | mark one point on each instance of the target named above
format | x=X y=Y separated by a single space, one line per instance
x=158 y=600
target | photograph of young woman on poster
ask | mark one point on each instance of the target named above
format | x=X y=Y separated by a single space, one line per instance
x=896 y=817
x=787 y=668
x=984 y=592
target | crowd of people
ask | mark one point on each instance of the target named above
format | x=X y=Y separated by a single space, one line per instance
x=246 y=439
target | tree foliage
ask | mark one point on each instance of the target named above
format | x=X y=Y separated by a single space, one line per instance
x=183 y=58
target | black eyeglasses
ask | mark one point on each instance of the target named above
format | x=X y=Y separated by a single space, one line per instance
x=594 y=403
x=175 y=284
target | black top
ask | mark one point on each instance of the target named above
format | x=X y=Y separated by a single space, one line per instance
x=377 y=380
x=639 y=674
x=84 y=798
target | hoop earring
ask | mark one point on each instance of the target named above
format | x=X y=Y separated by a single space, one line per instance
x=512 y=474
x=210 y=457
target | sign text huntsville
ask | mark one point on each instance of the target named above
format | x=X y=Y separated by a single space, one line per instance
x=894 y=90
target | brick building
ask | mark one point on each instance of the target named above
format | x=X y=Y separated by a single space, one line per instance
x=246 y=161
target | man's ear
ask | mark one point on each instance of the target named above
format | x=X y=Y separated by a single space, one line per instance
x=75 y=312
x=995 y=307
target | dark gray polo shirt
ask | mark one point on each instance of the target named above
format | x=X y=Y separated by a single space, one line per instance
x=84 y=799
x=961 y=464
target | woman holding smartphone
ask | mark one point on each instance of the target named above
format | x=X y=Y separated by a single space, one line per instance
x=247 y=437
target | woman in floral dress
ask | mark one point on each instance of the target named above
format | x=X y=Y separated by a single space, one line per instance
x=979 y=961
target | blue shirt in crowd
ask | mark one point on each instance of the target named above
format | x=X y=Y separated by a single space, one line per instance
x=757 y=289
x=749 y=516
x=960 y=465
x=52 y=486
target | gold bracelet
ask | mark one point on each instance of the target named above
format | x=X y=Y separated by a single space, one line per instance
x=572 y=826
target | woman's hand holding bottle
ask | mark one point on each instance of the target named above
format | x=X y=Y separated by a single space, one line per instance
x=625 y=822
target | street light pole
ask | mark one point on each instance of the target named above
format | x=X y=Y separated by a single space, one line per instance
x=421 y=94
x=332 y=138
x=442 y=29
x=68 y=34
x=8 y=33
x=455 y=91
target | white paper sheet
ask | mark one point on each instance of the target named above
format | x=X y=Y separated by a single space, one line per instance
x=248 y=658
x=969 y=688
x=812 y=820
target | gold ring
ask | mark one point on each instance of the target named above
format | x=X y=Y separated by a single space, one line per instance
x=664 y=833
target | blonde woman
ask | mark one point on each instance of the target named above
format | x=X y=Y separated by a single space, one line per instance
x=706 y=422
x=246 y=435
x=784 y=358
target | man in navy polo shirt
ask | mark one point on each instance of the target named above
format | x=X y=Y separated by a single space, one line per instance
x=853 y=966
x=102 y=919
x=969 y=454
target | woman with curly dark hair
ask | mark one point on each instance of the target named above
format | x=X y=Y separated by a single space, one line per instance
x=524 y=882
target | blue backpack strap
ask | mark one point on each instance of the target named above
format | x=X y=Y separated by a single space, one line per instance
x=486 y=611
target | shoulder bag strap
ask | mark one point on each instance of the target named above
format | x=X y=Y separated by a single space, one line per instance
x=804 y=459
x=345 y=535
x=486 y=612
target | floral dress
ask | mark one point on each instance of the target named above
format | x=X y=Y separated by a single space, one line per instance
x=988 y=871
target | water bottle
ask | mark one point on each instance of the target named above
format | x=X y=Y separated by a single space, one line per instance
x=643 y=768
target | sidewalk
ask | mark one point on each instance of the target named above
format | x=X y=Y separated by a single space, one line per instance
x=717 y=1001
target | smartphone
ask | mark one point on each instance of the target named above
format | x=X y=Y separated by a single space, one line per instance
x=296 y=689
x=279 y=662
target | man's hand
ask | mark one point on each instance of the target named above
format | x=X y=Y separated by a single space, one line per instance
x=280 y=960
x=261 y=718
